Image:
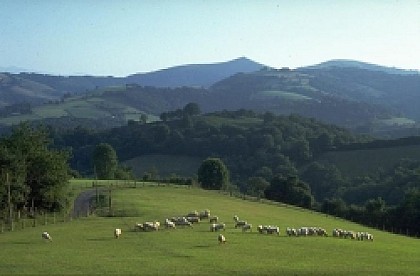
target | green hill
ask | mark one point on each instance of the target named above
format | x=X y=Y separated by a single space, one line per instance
x=87 y=246
x=367 y=161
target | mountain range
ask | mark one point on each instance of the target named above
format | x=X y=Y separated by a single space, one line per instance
x=364 y=97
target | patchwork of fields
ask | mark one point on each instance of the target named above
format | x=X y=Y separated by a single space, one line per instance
x=87 y=246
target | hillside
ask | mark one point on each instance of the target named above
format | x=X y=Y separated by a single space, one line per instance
x=40 y=88
x=351 y=94
x=346 y=63
x=84 y=246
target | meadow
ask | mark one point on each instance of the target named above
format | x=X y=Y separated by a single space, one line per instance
x=87 y=245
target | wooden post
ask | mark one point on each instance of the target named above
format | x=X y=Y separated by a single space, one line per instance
x=54 y=218
x=45 y=219
x=110 y=201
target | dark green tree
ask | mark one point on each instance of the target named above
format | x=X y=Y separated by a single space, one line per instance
x=290 y=190
x=36 y=173
x=213 y=174
x=105 y=161
x=192 y=109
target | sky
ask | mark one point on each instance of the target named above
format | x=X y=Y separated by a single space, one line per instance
x=123 y=37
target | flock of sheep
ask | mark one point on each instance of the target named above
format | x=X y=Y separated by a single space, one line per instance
x=215 y=226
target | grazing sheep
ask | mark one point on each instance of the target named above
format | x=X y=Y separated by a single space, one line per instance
x=169 y=224
x=221 y=239
x=240 y=223
x=117 y=233
x=214 y=219
x=139 y=227
x=217 y=226
x=46 y=236
x=273 y=230
x=247 y=227
x=193 y=219
x=291 y=232
x=182 y=221
x=268 y=229
x=205 y=214
x=193 y=214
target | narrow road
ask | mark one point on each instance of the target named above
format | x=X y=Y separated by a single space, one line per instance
x=81 y=205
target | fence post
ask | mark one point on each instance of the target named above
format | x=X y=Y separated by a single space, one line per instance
x=54 y=218
x=45 y=219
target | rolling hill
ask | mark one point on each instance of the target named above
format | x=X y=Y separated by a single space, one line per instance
x=363 y=97
x=87 y=245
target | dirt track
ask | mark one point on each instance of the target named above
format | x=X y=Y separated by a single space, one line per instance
x=81 y=203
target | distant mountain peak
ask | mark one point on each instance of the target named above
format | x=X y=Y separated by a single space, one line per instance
x=348 y=63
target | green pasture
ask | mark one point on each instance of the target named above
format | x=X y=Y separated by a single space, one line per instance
x=280 y=95
x=362 y=162
x=396 y=121
x=87 y=246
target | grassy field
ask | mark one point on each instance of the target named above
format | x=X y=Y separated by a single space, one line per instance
x=280 y=95
x=87 y=246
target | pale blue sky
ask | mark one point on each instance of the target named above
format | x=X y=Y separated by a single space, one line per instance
x=110 y=37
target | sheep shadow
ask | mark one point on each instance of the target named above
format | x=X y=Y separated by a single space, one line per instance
x=100 y=239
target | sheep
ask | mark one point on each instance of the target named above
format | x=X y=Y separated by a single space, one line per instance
x=193 y=214
x=214 y=219
x=268 y=229
x=247 y=227
x=193 y=219
x=204 y=214
x=273 y=230
x=217 y=226
x=240 y=223
x=139 y=227
x=151 y=226
x=117 y=233
x=261 y=229
x=221 y=239
x=291 y=231
x=235 y=218
x=169 y=224
x=46 y=236
x=181 y=221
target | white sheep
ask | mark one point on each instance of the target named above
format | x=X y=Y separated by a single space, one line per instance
x=46 y=236
x=169 y=224
x=193 y=219
x=117 y=233
x=204 y=214
x=214 y=219
x=247 y=227
x=240 y=223
x=217 y=226
x=221 y=239
x=235 y=218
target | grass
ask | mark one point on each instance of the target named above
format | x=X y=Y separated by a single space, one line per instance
x=87 y=246
x=280 y=95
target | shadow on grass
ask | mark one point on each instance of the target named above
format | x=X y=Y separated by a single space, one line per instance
x=101 y=239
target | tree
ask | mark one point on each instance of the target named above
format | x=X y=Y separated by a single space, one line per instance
x=192 y=109
x=34 y=172
x=290 y=190
x=256 y=186
x=105 y=161
x=213 y=174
